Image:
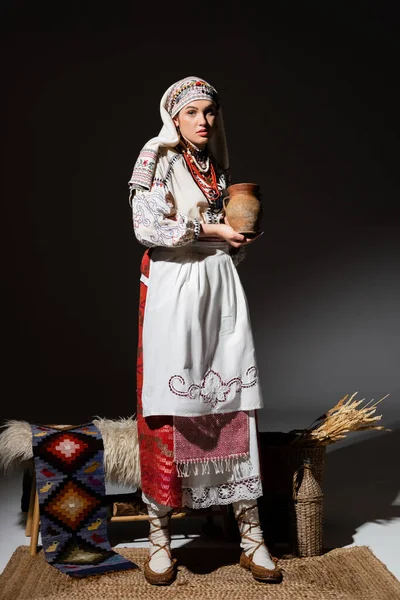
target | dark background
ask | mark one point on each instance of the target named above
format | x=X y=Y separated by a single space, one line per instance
x=310 y=105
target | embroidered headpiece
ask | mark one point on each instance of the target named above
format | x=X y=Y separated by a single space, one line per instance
x=188 y=90
x=177 y=96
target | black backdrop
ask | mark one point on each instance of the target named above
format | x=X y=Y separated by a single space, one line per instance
x=310 y=107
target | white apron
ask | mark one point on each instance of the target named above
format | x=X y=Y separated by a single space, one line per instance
x=198 y=350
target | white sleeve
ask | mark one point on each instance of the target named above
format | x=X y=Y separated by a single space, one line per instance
x=157 y=222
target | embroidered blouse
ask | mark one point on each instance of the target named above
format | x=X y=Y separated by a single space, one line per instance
x=170 y=213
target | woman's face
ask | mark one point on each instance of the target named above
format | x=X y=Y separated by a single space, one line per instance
x=197 y=122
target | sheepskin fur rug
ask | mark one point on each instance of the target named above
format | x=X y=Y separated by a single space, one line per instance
x=121 y=448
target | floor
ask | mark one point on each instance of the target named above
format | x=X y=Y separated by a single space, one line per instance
x=361 y=504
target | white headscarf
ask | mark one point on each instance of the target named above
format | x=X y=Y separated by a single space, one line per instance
x=177 y=96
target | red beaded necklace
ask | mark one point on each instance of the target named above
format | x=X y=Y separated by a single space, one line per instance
x=206 y=180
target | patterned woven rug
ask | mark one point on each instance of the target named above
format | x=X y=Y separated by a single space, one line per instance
x=204 y=573
x=71 y=488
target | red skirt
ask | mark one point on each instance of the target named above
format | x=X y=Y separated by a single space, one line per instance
x=159 y=478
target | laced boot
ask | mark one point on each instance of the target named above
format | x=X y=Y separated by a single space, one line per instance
x=255 y=556
x=160 y=567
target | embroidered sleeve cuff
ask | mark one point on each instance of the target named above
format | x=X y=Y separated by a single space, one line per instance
x=212 y=218
x=196 y=230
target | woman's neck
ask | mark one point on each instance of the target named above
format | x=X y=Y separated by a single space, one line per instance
x=193 y=148
x=200 y=157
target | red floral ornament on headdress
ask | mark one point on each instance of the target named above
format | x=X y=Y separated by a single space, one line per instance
x=188 y=90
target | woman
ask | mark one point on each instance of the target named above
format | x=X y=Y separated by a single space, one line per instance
x=198 y=388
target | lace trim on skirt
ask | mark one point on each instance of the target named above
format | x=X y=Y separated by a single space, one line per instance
x=226 y=493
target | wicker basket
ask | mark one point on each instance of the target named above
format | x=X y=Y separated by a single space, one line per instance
x=280 y=460
x=308 y=509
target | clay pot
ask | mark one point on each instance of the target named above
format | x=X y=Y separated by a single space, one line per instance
x=243 y=208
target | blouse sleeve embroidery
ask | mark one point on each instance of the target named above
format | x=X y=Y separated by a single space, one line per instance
x=213 y=218
x=157 y=222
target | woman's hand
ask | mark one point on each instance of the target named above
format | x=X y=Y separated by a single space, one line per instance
x=235 y=239
x=223 y=231
x=227 y=233
x=244 y=240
